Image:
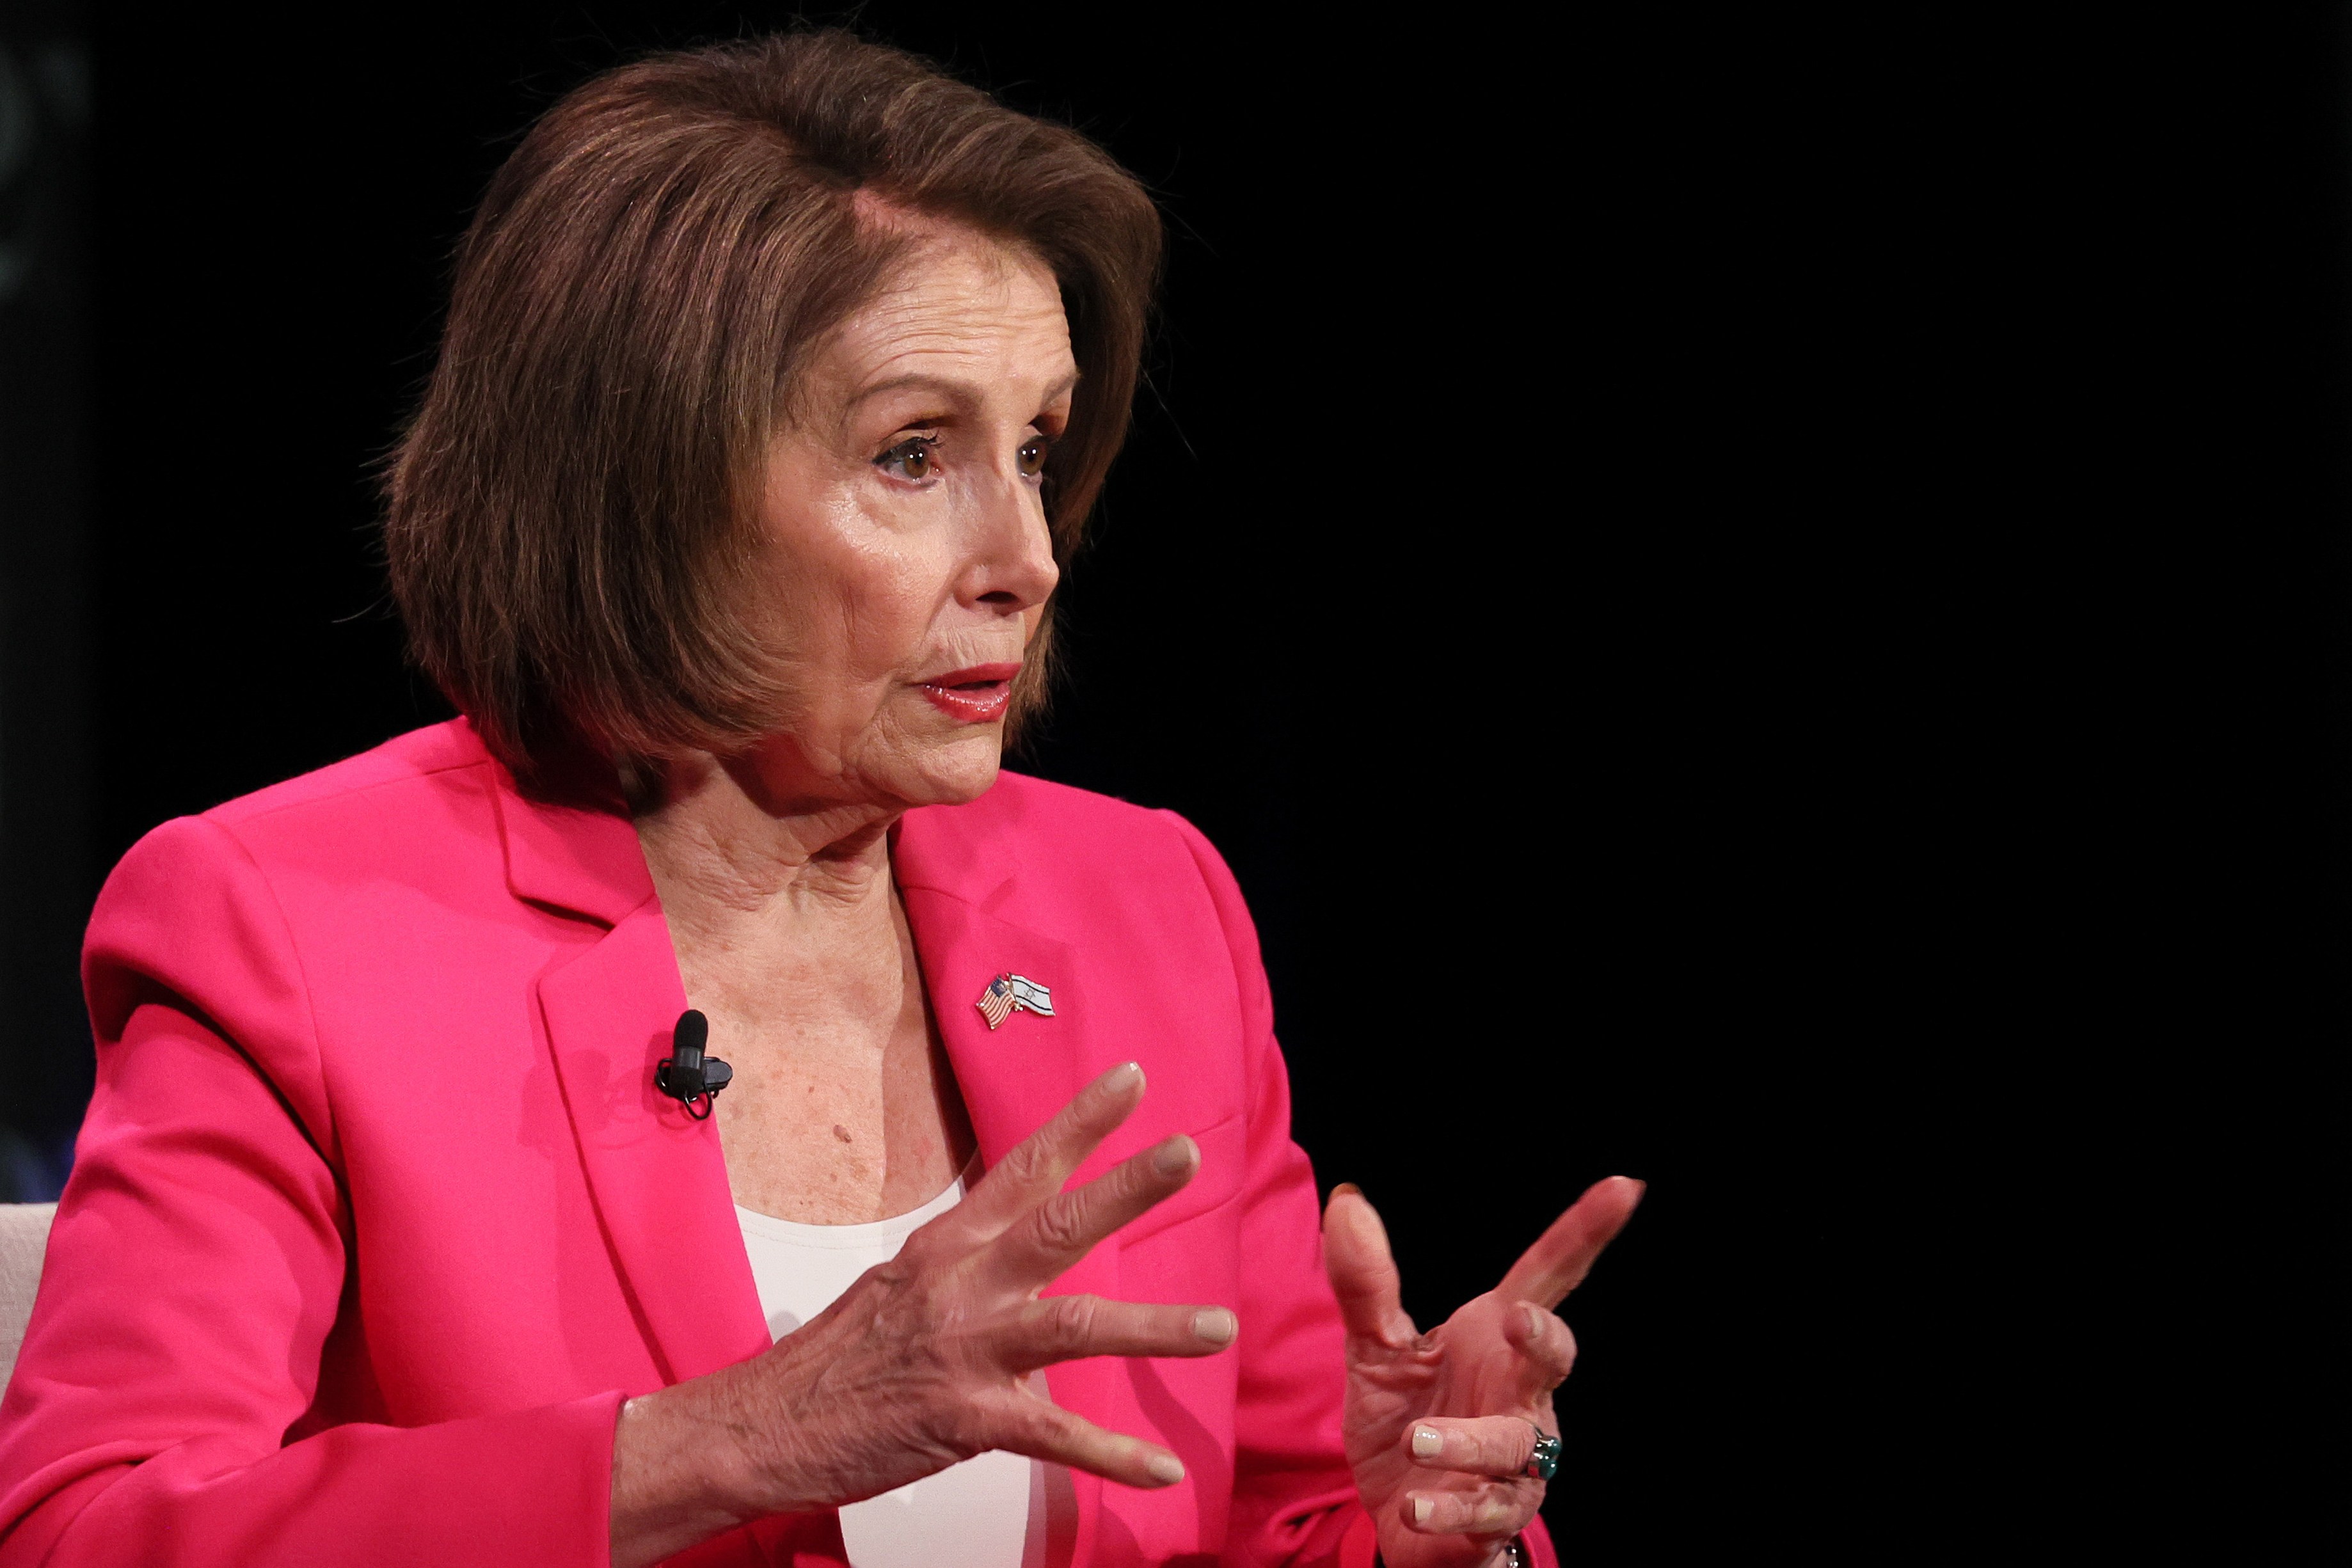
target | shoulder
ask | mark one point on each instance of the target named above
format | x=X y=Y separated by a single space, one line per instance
x=412 y=801
x=405 y=772
x=404 y=778
x=220 y=888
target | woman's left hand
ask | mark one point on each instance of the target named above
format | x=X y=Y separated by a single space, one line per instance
x=1440 y=1425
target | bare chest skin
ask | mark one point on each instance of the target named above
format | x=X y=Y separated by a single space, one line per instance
x=844 y=1108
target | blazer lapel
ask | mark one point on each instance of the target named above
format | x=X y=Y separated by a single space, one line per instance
x=1013 y=1079
x=658 y=1176
x=1015 y=1076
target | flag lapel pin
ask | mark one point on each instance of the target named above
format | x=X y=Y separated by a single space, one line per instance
x=1010 y=994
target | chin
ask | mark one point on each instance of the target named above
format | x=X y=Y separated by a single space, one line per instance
x=958 y=770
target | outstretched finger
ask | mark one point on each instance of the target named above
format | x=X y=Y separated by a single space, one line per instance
x=1363 y=1271
x=1561 y=1257
x=1042 y=1244
x=1066 y=1328
x=1036 y=1167
x=1044 y=1430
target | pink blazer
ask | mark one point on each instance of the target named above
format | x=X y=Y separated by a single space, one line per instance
x=376 y=1218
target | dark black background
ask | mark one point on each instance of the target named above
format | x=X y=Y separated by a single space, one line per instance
x=1757 y=603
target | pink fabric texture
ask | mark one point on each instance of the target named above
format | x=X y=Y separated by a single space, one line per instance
x=376 y=1217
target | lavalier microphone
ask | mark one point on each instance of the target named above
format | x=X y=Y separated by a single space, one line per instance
x=686 y=1075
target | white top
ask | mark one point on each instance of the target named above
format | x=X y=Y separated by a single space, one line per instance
x=986 y=1512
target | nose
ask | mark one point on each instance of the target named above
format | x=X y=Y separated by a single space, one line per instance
x=1011 y=568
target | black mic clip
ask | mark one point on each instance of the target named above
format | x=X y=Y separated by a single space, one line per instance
x=686 y=1075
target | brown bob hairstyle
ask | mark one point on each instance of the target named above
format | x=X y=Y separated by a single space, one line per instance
x=571 y=510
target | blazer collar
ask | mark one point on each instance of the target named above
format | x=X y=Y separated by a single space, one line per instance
x=578 y=854
x=945 y=849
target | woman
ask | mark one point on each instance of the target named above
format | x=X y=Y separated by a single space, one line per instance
x=408 y=1227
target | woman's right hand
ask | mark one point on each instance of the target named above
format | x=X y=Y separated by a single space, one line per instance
x=927 y=1359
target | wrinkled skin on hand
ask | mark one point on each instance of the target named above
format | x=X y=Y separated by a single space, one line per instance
x=1440 y=1425
x=927 y=1359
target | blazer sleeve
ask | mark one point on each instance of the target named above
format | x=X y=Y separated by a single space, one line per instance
x=1295 y=1502
x=161 y=1401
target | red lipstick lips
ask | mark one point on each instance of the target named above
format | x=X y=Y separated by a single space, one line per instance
x=977 y=695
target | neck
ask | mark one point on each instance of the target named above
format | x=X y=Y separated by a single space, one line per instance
x=721 y=847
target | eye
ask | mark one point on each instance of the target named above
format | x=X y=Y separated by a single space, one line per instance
x=913 y=458
x=1032 y=457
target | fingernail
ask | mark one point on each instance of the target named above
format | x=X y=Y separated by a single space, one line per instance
x=1423 y=1508
x=1175 y=1157
x=1166 y=1468
x=1216 y=1325
x=1428 y=1442
x=1127 y=1073
x=1348 y=1187
x=1533 y=1316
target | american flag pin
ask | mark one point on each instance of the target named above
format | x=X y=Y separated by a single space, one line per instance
x=1010 y=994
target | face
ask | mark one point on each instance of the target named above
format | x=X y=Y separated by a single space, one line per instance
x=904 y=527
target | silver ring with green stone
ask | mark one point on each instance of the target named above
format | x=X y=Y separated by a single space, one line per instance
x=1544 y=1463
